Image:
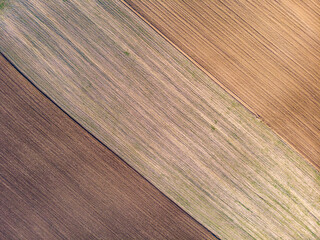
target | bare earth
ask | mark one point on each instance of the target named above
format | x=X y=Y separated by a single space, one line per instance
x=266 y=53
x=165 y=117
x=58 y=182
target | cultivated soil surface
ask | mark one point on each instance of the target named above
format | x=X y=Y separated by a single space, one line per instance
x=58 y=182
x=266 y=53
x=165 y=117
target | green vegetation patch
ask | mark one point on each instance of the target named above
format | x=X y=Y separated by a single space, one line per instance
x=243 y=206
x=126 y=53
x=234 y=135
x=3 y=4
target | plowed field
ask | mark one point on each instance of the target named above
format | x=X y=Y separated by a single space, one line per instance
x=266 y=53
x=58 y=182
x=165 y=117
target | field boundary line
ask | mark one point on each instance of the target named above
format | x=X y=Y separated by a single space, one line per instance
x=190 y=58
x=219 y=84
x=105 y=146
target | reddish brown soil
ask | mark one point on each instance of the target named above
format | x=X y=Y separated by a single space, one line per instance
x=58 y=182
x=267 y=54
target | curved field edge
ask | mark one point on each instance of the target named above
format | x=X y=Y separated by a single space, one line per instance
x=159 y=112
x=53 y=171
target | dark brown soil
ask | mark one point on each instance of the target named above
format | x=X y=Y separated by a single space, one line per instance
x=58 y=182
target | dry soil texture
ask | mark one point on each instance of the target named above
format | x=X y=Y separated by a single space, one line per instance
x=267 y=53
x=143 y=98
x=58 y=182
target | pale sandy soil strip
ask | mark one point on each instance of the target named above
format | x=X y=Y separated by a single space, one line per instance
x=59 y=182
x=164 y=116
x=267 y=54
